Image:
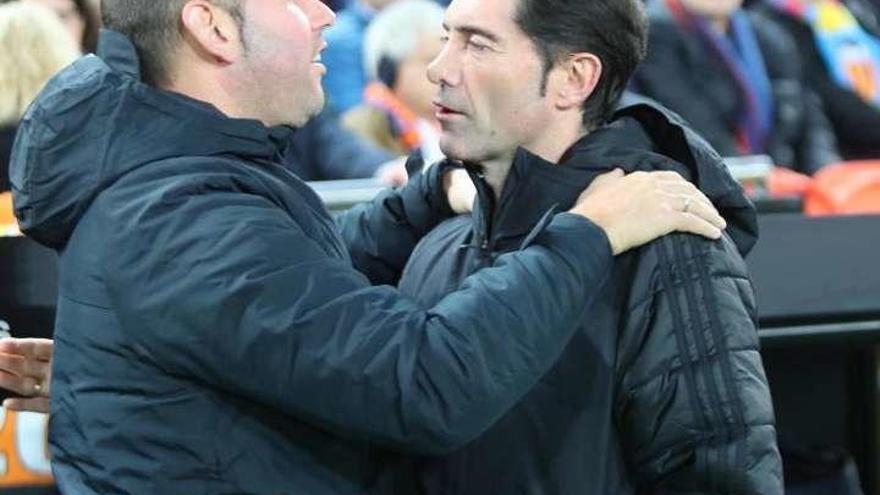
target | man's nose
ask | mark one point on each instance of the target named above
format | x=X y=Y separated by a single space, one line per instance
x=442 y=70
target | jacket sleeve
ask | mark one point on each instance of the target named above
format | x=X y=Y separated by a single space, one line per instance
x=381 y=234
x=694 y=407
x=232 y=294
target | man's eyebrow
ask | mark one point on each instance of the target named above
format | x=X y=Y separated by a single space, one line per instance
x=472 y=31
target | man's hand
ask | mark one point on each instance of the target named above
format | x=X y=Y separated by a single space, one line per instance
x=460 y=190
x=26 y=370
x=636 y=209
x=393 y=173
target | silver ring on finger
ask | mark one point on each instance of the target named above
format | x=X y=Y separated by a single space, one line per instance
x=38 y=389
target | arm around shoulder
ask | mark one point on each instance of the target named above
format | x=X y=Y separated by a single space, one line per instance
x=227 y=302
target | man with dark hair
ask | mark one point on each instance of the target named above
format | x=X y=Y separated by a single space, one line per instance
x=559 y=27
x=216 y=332
x=662 y=391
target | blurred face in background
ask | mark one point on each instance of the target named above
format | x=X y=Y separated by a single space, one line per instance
x=69 y=15
x=412 y=85
x=378 y=4
x=715 y=9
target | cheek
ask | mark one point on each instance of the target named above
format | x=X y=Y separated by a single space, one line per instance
x=425 y=87
x=503 y=102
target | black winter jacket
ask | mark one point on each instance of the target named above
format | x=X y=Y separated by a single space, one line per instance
x=213 y=335
x=680 y=73
x=662 y=391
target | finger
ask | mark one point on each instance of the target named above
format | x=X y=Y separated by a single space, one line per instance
x=684 y=199
x=39 y=404
x=701 y=207
x=20 y=385
x=691 y=199
x=35 y=348
x=12 y=363
x=21 y=366
x=707 y=212
x=694 y=224
x=683 y=187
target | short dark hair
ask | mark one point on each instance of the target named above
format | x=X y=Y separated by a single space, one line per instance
x=616 y=31
x=154 y=27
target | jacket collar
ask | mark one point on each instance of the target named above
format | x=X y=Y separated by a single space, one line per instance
x=120 y=55
x=641 y=137
x=535 y=185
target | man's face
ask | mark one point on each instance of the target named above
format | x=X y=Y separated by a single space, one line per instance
x=716 y=9
x=281 y=65
x=489 y=74
x=412 y=85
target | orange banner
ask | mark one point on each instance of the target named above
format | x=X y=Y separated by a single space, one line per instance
x=24 y=453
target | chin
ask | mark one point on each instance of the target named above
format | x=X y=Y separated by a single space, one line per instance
x=455 y=149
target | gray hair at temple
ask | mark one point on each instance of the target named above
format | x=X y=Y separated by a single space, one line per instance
x=395 y=32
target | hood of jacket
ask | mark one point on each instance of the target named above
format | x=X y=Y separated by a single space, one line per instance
x=641 y=137
x=96 y=121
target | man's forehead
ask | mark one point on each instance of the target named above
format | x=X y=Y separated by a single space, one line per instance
x=493 y=16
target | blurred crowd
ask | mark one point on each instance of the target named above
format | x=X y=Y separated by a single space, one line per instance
x=795 y=80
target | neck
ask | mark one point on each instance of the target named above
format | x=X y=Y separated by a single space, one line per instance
x=496 y=171
x=219 y=91
x=198 y=89
x=553 y=142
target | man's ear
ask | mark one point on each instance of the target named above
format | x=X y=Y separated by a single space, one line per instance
x=211 y=31
x=575 y=79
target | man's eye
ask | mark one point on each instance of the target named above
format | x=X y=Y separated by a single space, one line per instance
x=477 y=46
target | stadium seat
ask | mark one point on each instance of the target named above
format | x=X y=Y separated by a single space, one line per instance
x=848 y=188
x=6 y=215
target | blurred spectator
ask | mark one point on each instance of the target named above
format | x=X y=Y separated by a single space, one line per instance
x=34 y=45
x=739 y=81
x=397 y=114
x=336 y=5
x=80 y=17
x=324 y=150
x=345 y=79
x=840 y=48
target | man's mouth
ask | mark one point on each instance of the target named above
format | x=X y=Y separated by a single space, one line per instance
x=321 y=48
x=442 y=111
